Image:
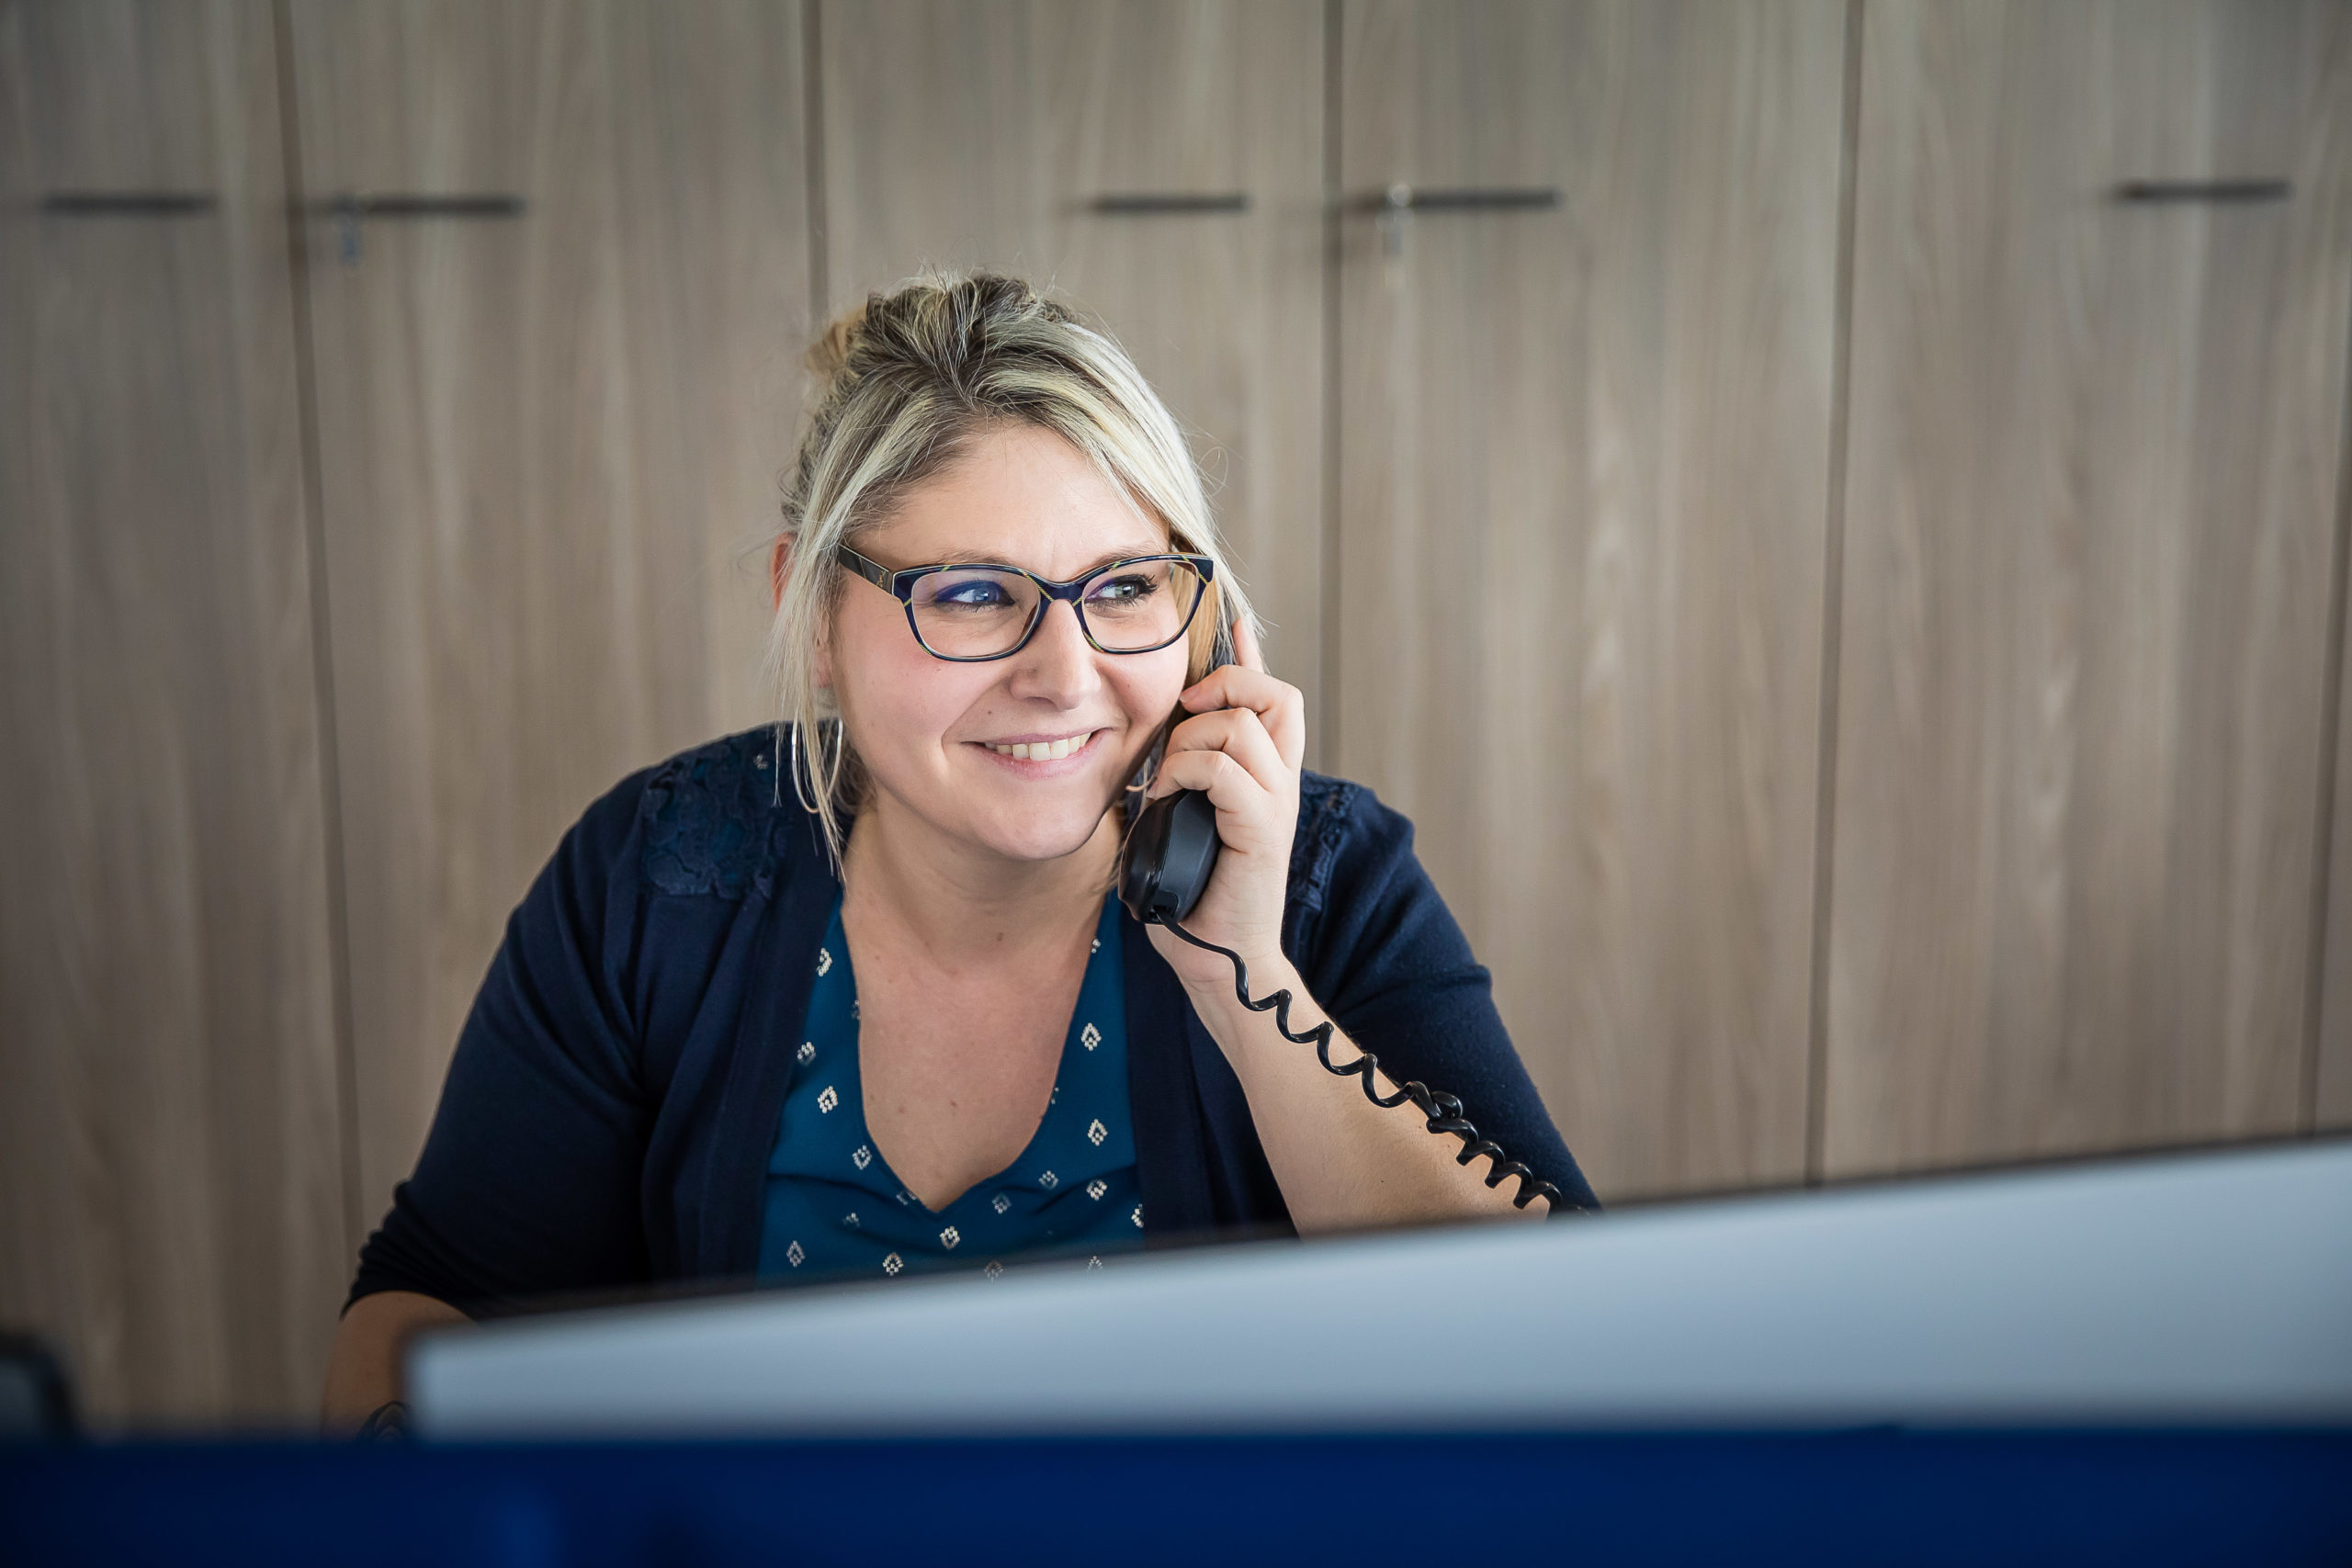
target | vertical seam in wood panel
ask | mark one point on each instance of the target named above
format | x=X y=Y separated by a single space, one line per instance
x=812 y=140
x=1327 y=741
x=1832 y=613
x=322 y=623
x=2329 y=720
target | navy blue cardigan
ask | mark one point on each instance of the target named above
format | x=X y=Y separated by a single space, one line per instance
x=609 y=1110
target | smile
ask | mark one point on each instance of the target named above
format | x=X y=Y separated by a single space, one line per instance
x=1043 y=751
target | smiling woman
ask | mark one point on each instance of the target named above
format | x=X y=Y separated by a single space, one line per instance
x=892 y=1019
x=1066 y=459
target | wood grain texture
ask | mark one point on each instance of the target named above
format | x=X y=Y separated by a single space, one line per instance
x=2329 y=1073
x=2089 y=543
x=2329 y=1070
x=1583 y=463
x=968 y=133
x=171 y=1183
x=546 y=442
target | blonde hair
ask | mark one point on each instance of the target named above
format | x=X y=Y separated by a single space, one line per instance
x=904 y=383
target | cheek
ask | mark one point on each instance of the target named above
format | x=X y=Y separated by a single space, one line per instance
x=890 y=691
x=1146 y=687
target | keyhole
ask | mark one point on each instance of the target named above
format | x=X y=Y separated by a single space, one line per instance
x=346 y=229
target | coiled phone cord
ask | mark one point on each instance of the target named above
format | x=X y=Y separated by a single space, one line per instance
x=1442 y=1112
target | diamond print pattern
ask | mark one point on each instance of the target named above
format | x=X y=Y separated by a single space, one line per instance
x=865 y=1157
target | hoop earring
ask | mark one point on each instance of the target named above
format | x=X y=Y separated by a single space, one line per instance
x=798 y=791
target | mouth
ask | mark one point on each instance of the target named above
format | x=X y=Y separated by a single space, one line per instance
x=1035 y=750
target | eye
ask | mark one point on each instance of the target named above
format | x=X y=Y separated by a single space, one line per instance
x=1127 y=587
x=974 y=593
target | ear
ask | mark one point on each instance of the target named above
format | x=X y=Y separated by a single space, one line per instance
x=779 y=564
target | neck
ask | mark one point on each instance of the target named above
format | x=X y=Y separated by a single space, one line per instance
x=964 y=903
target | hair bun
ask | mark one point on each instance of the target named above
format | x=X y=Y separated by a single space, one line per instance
x=828 y=355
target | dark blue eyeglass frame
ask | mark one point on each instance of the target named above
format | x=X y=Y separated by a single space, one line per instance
x=901 y=585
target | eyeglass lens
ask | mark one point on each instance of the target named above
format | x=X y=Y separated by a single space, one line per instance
x=973 y=613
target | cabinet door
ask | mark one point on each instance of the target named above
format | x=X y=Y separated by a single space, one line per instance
x=172 y=1194
x=1584 y=451
x=2090 y=534
x=987 y=133
x=549 y=428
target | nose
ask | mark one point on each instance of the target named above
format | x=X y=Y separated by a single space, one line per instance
x=1058 y=664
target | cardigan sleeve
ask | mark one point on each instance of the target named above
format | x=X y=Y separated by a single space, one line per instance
x=1383 y=956
x=529 y=1181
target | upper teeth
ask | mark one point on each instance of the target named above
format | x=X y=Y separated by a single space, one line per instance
x=1041 y=751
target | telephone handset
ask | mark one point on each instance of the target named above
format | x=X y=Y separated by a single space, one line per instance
x=1164 y=865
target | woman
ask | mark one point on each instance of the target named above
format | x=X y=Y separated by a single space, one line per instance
x=885 y=1015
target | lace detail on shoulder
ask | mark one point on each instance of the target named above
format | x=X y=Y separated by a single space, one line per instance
x=709 y=815
x=1324 y=804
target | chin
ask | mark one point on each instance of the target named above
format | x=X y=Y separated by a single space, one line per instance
x=1038 y=835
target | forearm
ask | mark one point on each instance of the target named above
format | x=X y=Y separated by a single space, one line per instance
x=364 y=1368
x=1342 y=1162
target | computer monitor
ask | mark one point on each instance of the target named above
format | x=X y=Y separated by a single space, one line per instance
x=2199 y=1288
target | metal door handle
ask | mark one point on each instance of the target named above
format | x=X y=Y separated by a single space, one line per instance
x=1401 y=197
x=349 y=207
x=128 y=203
x=1154 y=204
x=2204 y=190
x=1396 y=204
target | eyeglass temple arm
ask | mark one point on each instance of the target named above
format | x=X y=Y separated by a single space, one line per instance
x=873 y=571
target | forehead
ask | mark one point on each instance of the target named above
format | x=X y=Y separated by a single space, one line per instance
x=1024 y=496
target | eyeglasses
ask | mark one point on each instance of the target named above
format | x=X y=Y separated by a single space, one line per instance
x=968 y=614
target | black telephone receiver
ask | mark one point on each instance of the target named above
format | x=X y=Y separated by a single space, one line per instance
x=1164 y=868
x=1171 y=842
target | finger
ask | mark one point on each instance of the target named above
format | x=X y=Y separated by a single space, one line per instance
x=1278 y=702
x=1229 y=786
x=1239 y=734
x=1246 y=649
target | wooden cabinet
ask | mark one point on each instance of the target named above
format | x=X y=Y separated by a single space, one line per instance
x=172 y=1149
x=2091 y=539
x=555 y=376
x=1158 y=165
x=1626 y=412
x=1584 y=450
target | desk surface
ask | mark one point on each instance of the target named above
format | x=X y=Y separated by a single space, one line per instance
x=2152 y=1499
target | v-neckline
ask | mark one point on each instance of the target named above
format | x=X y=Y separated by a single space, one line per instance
x=1106 y=928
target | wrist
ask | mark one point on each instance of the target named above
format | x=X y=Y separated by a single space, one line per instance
x=1212 y=995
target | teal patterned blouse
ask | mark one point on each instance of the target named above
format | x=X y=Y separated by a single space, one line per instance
x=836 y=1211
